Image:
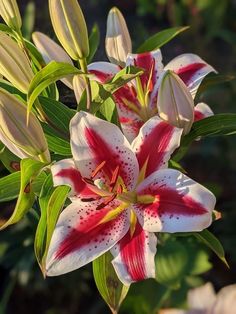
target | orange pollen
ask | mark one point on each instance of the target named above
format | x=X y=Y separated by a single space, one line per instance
x=106 y=202
x=114 y=178
x=120 y=189
x=98 y=168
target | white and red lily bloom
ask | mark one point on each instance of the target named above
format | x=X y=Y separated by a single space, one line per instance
x=137 y=100
x=121 y=194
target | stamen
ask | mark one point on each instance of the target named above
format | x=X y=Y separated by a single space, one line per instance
x=106 y=202
x=87 y=180
x=120 y=189
x=114 y=178
x=91 y=199
x=98 y=168
x=150 y=83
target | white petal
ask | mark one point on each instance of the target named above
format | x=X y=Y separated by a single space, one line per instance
x=180 y=205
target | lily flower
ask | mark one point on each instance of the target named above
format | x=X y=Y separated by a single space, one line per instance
x=121 y=194
x=137 y=100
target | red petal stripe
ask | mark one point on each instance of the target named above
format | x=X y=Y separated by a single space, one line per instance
x=75 y=177
x=147 y=62
x=88 y=231
x=198 y=115
x=154 y=147
x=186 y=73
x=169 y=202
x=132 y=250
x=102 y=151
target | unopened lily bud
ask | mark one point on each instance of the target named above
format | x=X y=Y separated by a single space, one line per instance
x=175 y=103
x=70 y=27
x=14 y=65
x=10 y=13
x=118 y=41
x=22 y=139
x=51 y=51
x=79 y=85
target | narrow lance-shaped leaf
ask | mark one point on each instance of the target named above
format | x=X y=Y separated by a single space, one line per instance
x=51 y=202
x=58 y=114
x=40 y=236
x=94 y=40
x=29 y=170
x=108 y=284
x=55 y=205
x=51 y=73
x=122 y=77
x=56 y=143
x=213 y=243
x=161 y=38
x=9 y=187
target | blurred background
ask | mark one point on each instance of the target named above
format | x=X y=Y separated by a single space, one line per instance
x=212 y=161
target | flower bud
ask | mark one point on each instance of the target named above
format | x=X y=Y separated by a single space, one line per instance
x=175 y=103
x=22 y=139
x=118 y=42
x=70 y=27
x=51 y=51
x=10 y=13
x=14 y=65
x=79 y=85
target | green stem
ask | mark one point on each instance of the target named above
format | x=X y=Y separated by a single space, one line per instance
x=84 y=68
x=22 y=45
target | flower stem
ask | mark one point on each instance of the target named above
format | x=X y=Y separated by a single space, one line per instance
x=84 y=68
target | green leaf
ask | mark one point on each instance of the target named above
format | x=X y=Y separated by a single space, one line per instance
x=56 y=144
x=29 y=20
x=38 y=183
x=107 y=282
x=108 y=111
x=54 y=207
x=51 y=73
x=171 y=261
x=9 y=187
x=217 y=125
x=94 y=40
x=58 y=115
x=6 y=29
x=161 y=38
x=9 y=160
x=213 y=243
x=40 y=236
x=35 y=55
x=29 y=170
x=121 y=78
x=11 y=89
x=51 y=201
